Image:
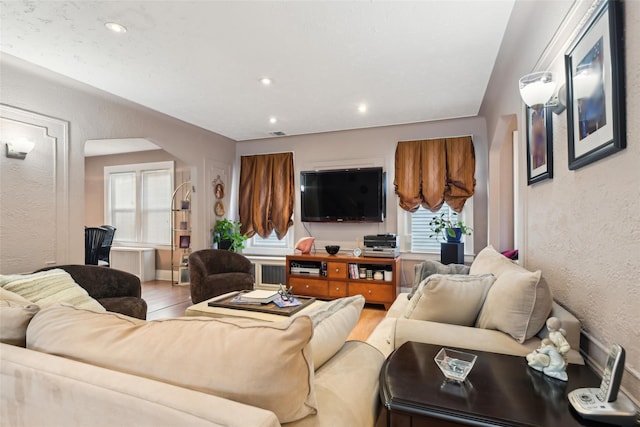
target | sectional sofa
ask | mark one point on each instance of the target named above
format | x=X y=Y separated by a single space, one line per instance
x=494 y=306
x=85 y=366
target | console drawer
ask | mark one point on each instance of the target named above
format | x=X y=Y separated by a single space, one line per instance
x=373 y=292
x=310 y=287
x=337 y=289
x=337 y=270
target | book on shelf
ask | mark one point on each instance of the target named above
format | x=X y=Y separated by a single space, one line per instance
x=258 y=296
x=353 y=271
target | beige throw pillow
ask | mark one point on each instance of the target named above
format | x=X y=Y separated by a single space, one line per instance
x=332 y=324
x=50 y=287
x=490 y=261
x=428 y=267
x=259 y=363
x=518 y=304
x=450 y=298
x=15 y=314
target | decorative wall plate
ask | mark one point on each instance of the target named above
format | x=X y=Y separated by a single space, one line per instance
x=219 y=190
x=219 y=208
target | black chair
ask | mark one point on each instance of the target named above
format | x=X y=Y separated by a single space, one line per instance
x=93 y=238
x=105 y=249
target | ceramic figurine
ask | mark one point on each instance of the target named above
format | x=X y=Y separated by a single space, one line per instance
x=550 y=358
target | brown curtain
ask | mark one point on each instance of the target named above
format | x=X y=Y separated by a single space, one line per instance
x=266 y=194
x=434 y=171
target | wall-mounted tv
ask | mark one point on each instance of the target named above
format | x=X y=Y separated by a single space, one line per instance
x=345 y=195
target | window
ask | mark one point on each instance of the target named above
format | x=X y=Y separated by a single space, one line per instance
x=417 y=230
x=138 y=202
x=271 y=245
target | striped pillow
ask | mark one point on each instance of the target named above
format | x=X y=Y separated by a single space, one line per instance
x=49 y=287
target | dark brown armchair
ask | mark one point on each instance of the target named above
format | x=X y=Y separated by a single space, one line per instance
x=215 y=272
x=115 y=290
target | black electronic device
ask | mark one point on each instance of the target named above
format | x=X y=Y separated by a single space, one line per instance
x=388 y=240
x=605 y=404
x=345 y=195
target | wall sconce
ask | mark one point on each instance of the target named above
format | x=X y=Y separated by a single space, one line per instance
x=19 y=148
x=538 y=90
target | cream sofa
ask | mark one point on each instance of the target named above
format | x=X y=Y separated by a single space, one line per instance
x=497 y=307
x=82 y=367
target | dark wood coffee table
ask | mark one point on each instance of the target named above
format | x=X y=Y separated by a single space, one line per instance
x=501 y=390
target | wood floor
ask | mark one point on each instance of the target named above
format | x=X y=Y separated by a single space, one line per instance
x=164 y=300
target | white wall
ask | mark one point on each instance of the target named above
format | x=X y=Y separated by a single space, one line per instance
x=372 y=147
x=582 y=227
x=93 y=114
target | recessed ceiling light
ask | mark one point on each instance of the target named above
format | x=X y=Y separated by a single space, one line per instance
x=115 y=27
x=266 y=81
x=273 y=120
x=362 y=108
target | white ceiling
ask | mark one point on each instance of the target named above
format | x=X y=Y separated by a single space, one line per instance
x=201 y=61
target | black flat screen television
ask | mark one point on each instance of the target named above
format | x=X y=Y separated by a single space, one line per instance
x=346 y=195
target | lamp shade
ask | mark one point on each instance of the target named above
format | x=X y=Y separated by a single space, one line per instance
x=19 y=148
x=536 y=89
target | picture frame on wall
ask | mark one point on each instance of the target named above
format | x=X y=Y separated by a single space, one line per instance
x=539 y=144
x=594 y=66
x=185 y=242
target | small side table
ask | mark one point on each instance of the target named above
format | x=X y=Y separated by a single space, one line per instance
x=500 y=390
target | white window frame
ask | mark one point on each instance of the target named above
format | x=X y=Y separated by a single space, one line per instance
x=256 y=245
x=138 y=169
x=404 y=227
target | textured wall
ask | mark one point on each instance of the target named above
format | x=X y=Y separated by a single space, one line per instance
x=27 y=185
x=582 y=228
x=94 y=114
x=333 y=149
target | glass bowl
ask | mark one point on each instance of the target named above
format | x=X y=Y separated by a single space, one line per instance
x=454 y=364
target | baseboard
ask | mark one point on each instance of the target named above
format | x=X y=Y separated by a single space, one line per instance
x=595 y=354
x=164 y=275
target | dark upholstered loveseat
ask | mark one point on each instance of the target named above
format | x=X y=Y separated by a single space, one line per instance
x=115 y=290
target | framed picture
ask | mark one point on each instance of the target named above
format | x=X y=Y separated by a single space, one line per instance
x=594 y=65
x=539 y=144
x=185 y=242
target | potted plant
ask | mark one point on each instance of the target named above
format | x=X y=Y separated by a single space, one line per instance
x=227 y=235
x=447 y=225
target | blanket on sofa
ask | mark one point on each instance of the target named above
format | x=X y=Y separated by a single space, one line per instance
x=427 y=268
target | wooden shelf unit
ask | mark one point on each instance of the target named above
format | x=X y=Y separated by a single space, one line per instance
x=334 y=280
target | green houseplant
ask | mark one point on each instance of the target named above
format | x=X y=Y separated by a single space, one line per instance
x=227 y=235
x=448 y=227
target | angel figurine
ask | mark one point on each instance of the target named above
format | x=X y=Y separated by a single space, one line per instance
x=550 y=357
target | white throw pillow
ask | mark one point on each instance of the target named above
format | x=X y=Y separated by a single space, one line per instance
x=263 y=364
x=50 y=287
x=15 y=314
x=332 y=324
x=449 y=298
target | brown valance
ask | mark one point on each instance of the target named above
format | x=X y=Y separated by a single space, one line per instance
x=434 y=171
x=266 y=194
